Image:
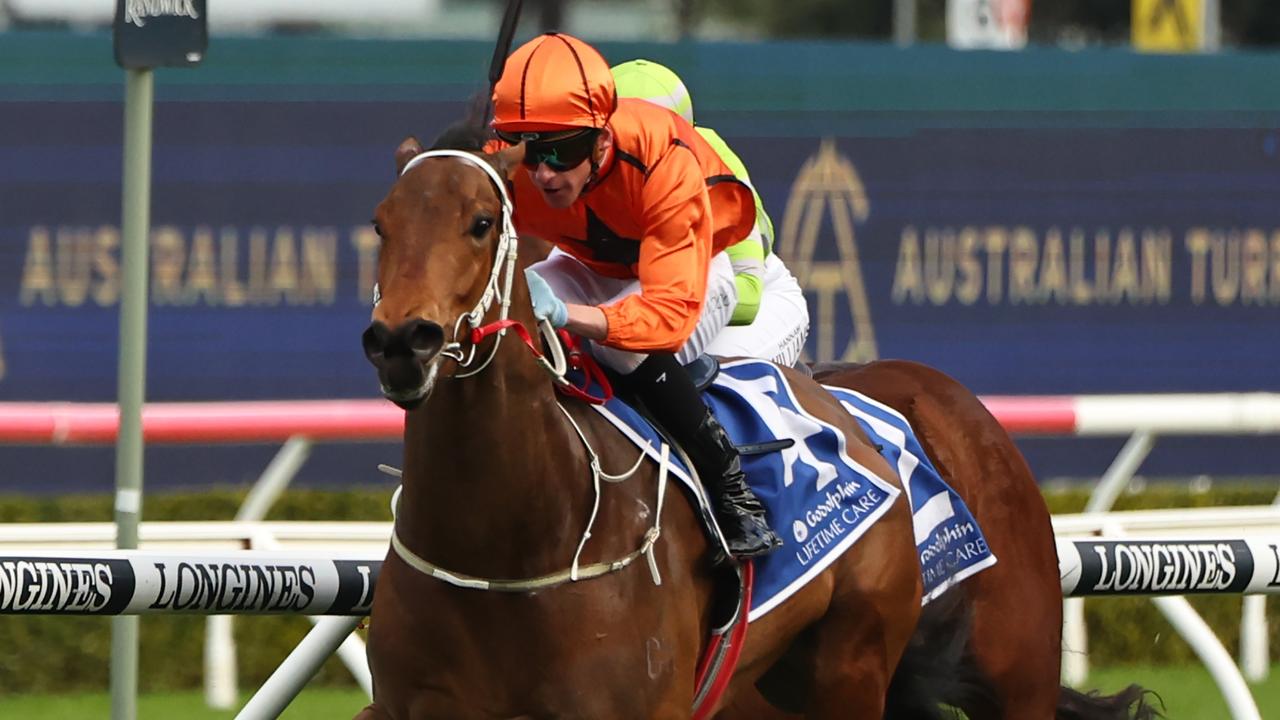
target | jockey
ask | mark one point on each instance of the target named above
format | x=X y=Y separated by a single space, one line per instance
x=771 y=312
x=640 y=208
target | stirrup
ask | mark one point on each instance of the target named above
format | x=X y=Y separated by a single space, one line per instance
x=768 y=541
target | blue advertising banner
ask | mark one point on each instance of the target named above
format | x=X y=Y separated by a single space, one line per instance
x=1087 y=255
x=1161 y=274
x=261 y=249
x=1040 y=261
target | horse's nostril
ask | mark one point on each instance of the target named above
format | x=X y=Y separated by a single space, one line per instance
x=374 y=339
x=425 y=339
x=416 y=339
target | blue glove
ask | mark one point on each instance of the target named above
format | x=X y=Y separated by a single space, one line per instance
x=546 y=306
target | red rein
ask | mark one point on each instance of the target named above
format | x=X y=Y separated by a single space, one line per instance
x=578 y=360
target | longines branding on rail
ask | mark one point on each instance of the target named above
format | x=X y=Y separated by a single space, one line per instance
x=1275 y=576
x=138 y=11
x=1165 y=567
x=54 y=586
x=227 y=586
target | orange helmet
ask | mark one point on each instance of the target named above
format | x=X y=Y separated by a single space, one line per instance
x=554 y=82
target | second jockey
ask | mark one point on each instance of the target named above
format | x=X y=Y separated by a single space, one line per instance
x=771 y=319
x=640 y=209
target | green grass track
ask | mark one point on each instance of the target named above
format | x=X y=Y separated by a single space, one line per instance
x=1188 y=693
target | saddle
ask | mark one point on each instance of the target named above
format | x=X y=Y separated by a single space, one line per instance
x=703 y=371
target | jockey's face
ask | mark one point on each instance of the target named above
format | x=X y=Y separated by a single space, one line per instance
x=560 y=188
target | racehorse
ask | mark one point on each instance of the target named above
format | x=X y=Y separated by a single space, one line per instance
x=475 y=614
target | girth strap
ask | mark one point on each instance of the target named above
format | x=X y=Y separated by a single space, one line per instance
x=575 y=572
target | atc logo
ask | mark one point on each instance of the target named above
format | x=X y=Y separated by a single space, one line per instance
x=828 y=195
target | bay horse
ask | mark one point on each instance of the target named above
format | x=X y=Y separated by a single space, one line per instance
x=494 y=486
x=474 y=614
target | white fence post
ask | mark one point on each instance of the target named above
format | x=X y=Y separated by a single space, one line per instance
x=1255 y=650
x=1075 y=643
x=1254 y=639
x=221 y=685
x=1075 y=633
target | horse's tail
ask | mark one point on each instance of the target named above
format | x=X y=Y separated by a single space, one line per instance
x=937 y=671
x=938 y=677
x=1128 y=704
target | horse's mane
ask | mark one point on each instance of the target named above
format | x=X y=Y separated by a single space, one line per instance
x=471 y=132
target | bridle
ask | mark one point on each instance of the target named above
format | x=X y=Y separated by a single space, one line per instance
x=498 y=289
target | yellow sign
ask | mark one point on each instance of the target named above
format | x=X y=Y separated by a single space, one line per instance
x=1168 y=26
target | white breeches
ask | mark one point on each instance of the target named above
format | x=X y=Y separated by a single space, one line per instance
x=576 y=284
x=781 y=326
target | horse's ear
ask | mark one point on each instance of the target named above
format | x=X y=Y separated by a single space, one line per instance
x=507 y=160
x=409 y=149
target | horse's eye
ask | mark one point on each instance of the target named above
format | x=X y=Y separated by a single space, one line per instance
x=480 y=226
x=377 y=228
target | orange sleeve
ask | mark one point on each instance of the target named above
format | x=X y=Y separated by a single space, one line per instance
x=675 y=253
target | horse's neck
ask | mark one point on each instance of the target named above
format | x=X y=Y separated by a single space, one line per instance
x=494 y=474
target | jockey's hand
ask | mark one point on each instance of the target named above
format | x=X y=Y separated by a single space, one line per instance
x=546 y=306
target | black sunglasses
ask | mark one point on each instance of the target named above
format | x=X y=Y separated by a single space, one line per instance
x=558 y=153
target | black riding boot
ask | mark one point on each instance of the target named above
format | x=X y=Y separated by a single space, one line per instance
x=666 y=390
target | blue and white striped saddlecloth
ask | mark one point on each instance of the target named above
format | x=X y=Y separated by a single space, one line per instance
x=950 y=543
x=818 y=498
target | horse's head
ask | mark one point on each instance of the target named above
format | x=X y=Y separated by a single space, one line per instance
x=447 y=255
